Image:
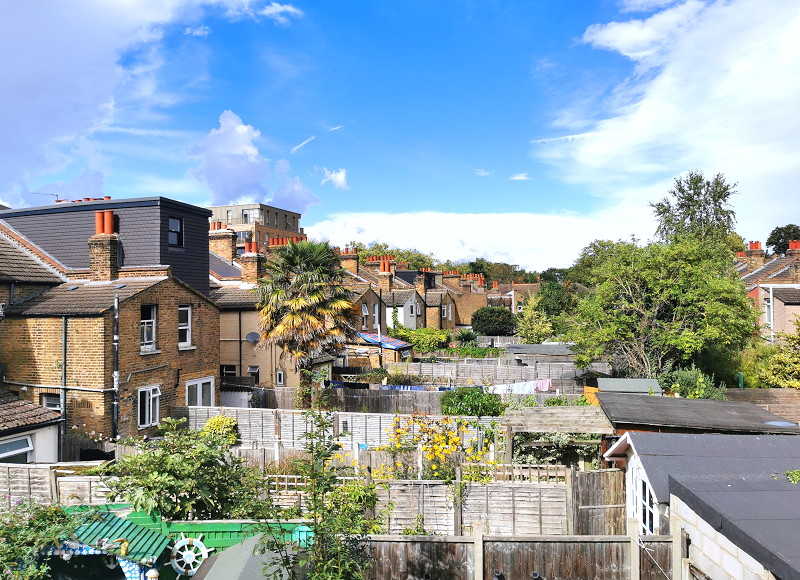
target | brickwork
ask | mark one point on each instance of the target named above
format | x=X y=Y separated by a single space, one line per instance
x=104 y=257
x=144 y=272
x=466 y=305
x=252 y=267
x=223 y=244
x=20 y=291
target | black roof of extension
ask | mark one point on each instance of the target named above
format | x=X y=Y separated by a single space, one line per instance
x=104 y=205
x=702 y=415
x=756 y=508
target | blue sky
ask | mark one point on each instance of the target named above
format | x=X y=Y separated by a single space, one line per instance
x=516 y=131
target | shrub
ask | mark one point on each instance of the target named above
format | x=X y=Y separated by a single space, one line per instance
x=691 y=383
x=559 y=401
x=466 y=338
x=224 y=427
x=403 y=379
x=374 y=376
x=471 y=402
x=494 y=321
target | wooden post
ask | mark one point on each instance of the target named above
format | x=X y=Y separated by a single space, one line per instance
x=509 y=449
x=570 y=475
x=633 y=532
x=477 y=553
x=458 y=504
x=677 y=546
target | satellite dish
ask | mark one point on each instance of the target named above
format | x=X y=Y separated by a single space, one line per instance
x=252 y=337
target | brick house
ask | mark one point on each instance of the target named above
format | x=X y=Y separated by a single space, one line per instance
x=256 y=222
x=57 y=344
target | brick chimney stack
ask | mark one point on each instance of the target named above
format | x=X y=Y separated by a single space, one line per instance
x=794 y=248
x=104 y=248
x=252 y=263
x=421 y=282
x=754 y=256
x=385 y=276
x=349 y=260
x=222 y=241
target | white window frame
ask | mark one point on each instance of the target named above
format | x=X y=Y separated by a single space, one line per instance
x=364 y=317
x=444 y=311
x=224 y=370
x=280 y=378
x=376 y=315
x=411 y=309
x=46 y=400
x=645 y=506
x=26 y=448
x=185 y=326
x=152 y=406
x=450 y=311
x=147 y=336
x=197 y=386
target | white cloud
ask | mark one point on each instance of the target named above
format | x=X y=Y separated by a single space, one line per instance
x=721 y=95
x=644 y=5
x=337 y=179
x=297 y=148
x=201 y=31
x=533 y=241
x=336 y=128
x=280 y=13
x=482 y=172
x=520 y=177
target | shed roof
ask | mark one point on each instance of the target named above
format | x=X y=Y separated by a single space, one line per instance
x=234 y=298
x=144 y=545
x=691 y=414
x=16 y=414
x=643 y=386
x=577 y=419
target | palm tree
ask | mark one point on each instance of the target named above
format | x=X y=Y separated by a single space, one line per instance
x=304 y=309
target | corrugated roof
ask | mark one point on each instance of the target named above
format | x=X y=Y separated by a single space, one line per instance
x=144 y=545
x=82 y=297
x=19 y=265
x=234 y=298
x=385 y=341
x=16 y=413
x=696 y=414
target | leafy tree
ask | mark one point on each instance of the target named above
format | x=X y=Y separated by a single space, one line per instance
x=659 y=304
x=303 y=306
x=699 y=207
x=414 y=258
x=691 y=383
x=590 y=258
x=553 y=275
x=780 y=237
x=533 y=325
x=185 y=472
x=754 y=363
x=336 y=508
x=494 y=321
x=783 y=370
x=471 y=402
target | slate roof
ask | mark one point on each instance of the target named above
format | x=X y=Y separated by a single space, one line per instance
x=222 y=268
x=545 y=349
x=433 y=298
x=234 y=298
x=691 y=414
x=770 y=269
x=16 y=415
x=787 y=295
x=760 y=515
x=81 y=298
x=643 y=386
x=18 y=265
x=398 y=297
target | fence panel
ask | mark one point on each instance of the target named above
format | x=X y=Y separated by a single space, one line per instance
x=23 y=481
x=598 y=499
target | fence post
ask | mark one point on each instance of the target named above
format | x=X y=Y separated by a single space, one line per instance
x=569 y=480
x=677 y=546
x=458 y=504
x=477 y=553
x=633 y=532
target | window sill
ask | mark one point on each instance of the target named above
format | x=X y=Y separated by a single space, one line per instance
x=142 y=427
x=147 y=352
x=187 y=347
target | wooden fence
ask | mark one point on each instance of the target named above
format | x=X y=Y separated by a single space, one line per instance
x=517 y=557
x=490 y=374
x=50 y=483
x=598 y=499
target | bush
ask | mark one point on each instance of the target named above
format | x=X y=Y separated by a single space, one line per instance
x=422 y=339
x=374 y=376
x=466 y=338
x=494 y=321
x=691 y=383
x=403 y=379
x=471 y=402
x=474 y=351
x=224 y=427
x=559 y=401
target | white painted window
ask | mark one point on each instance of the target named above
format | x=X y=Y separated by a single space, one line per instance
x=149 y=400
x=444 y=311
x=200 y=392
x=411 y=309
x=376 y=315
x=449 y=312
x=364 y=317
x=15 y=450
x=642 y=500
x=227 y=370
x=51 y=401
x=148 y=327
x=280 y=379
x=184 y=326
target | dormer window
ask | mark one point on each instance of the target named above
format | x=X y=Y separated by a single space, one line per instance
x=175 y=232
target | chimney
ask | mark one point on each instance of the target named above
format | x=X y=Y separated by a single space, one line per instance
x=452 y=279
x=385 y=276
x=104 y=248
x=754 y=256
x=222 y=242
x=495 y=284
x=252 y=263
x=421 y=282
x=794 y=248
x=349 y=260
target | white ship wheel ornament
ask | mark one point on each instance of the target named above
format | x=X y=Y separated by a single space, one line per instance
x=188 y=554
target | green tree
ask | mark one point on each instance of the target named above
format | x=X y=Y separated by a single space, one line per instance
x=662 y=304
x=183 y=473
x=691 y=383
x=471 y=402
x=533 y=324
x=494 y=321
x=780 y=237
x=303 y=307
x=414 y=258
x=783 y=369
x=590 y=258
x=422 y=339
x=698 y=207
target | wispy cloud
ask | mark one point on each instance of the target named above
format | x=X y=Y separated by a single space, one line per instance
x=336 y=128
x=337 y=179
x=201 y=31
x=482 y=172
x=297 y=148
x=644 y=5
x=561 y=139
x=281 y=13
x=520 y=177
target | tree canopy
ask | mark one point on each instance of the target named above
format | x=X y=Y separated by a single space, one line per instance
x=696 y=206
x=662 y=304
x=780 y=237
x=494 y=321
x=534 y=325
x=303 y=306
